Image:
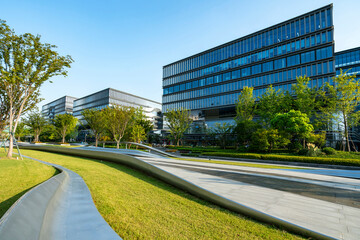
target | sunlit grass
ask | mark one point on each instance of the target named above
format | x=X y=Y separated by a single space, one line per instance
x=138 y=206
x=18 y=176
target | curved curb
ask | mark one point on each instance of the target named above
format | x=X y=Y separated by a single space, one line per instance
x=59 y=208
x=182 y=184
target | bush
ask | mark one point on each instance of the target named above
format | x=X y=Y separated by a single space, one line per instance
x=171 y=150
x=329 y=151
x=303 y=152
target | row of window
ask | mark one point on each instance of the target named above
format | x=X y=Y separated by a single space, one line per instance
x=307 y=42
x=256 y=69
x=230 y=99
x=353 y=70
x=347 y=59
x=298 y=27
x=310 y=70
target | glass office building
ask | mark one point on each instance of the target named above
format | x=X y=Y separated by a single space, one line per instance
x=210 y=82
x=111 y=97
x=348 y=61
x=58 y=106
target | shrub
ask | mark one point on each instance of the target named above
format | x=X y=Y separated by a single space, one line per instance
x=171 y=150
x=329 y=151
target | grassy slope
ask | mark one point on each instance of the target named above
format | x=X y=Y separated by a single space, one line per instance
x=17 y=177
x=138 y=206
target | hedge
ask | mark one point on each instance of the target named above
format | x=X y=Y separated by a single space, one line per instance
x=320 y=160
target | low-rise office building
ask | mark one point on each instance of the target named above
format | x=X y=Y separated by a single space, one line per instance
x=59 y=106
x=111 y=97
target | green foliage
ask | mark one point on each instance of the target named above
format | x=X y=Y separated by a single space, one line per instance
x=20 y=130
x=64 y=124
x=245 y=105
x=37 y=122
x=319 y=139
x=138 y=134
x=329 y=151
x=117 y=119
x=344 y=97
x=244 y=131
x=49 y=134
x=221 y=132
x=293 y=125
x=265 y=140
x=271 y=103
x=25 y=64
x=95 y=120
x=178 y=122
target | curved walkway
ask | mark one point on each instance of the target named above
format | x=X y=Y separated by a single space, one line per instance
x=321 y=201
x=59 y=209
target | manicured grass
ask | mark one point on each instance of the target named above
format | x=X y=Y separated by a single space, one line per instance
x=19 y=176
x=290 y=158
x=256 y=165
x=138 y=206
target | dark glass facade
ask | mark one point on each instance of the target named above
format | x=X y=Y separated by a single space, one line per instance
x=348 y=61
x=58 y=106
x=210 y=82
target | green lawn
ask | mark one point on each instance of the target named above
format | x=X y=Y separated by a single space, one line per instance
x=138 y=206
x=17 y=177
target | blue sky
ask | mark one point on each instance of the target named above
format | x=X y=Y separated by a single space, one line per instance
x=124 y=44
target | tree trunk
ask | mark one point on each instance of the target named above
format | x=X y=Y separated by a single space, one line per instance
x=346 y=133
x=96 y=142
x=63 y=139
x=11 y=145
x=178 y=141
x=117 y=144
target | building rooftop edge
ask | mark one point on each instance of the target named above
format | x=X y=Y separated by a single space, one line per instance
x=129 y=94
x=248 y=35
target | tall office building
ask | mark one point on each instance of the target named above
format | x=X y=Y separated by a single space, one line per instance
x=111 y=97
x=58 y=106
x=209 y=83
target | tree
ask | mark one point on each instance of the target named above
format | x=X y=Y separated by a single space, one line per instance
x=138 y=133
x=245 y=106
x=37 y=122
x=25 y=64
x=95 y=120
x=178 y=122
x=64 y=124
x=221 y=131
x=117 y=119
x=344 y=97
x=245 y=111
x=20 y=130
x=271 y=103
x=265 y=140
x=293 y=125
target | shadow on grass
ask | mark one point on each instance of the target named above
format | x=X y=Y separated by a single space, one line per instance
x=5 y=205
